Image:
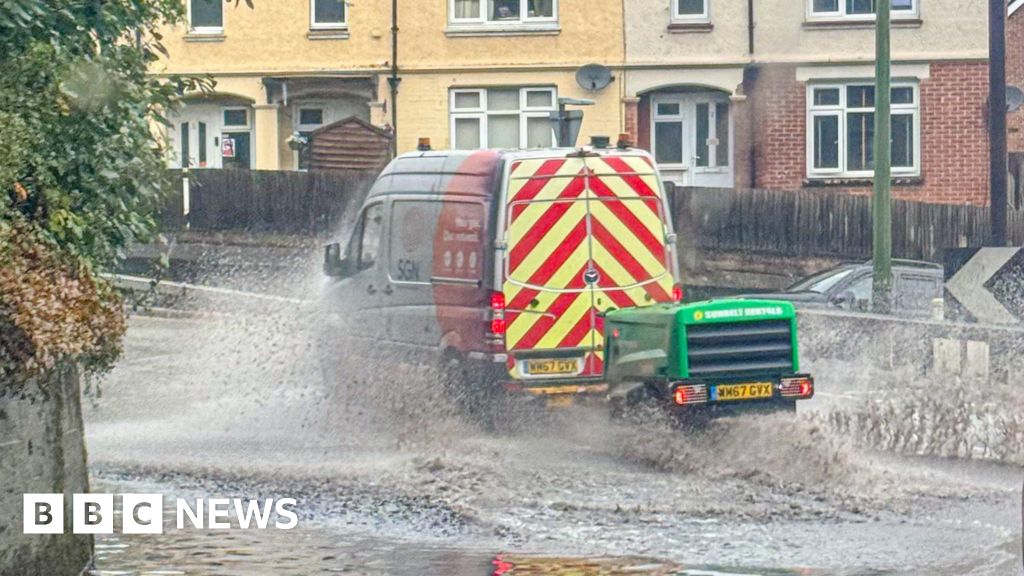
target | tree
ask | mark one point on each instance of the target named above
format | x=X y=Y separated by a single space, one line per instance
x=81 y=168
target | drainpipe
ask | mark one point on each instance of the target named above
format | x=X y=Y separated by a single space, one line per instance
x=750 y=27
x=394 y=80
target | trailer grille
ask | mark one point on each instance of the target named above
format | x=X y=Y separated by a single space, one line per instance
x=738 y=349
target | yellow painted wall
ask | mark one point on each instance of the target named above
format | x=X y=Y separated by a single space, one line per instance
x=273 y=37
x=423 y=103
x=589 y=31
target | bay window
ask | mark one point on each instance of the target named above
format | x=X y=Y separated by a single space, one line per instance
x=501 y=118
x=841 y=130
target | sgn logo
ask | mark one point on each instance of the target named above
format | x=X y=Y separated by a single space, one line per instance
x=144 y=513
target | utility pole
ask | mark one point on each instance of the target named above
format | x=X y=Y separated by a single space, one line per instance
x=394 y=80
x=882 y=199
x=998 y=168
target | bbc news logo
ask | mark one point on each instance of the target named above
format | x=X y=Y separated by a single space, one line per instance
x=144 y=513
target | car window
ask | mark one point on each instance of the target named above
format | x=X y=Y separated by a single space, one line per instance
x=861 y=289
x=823 y=282
x=369 y=242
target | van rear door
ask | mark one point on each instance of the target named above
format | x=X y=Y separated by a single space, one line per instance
x=582 y=235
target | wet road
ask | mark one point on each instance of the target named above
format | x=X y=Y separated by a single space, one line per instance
x=237 y=405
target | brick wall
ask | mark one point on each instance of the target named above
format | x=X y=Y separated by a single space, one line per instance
x=1015 y=76
x=779 y=106
x=954 y=139
x=954 y=135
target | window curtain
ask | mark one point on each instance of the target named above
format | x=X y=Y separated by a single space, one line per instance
x=467 y=9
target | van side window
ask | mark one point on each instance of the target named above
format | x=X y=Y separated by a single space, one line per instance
x=436 y=241
x=369 y=243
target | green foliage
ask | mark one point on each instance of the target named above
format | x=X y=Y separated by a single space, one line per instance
x=81 y=169
x=73 y=75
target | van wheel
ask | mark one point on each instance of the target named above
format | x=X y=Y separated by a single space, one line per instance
x=472 y=396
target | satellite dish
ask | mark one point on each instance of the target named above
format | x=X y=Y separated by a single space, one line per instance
x=594 y=77
x=1014 y=98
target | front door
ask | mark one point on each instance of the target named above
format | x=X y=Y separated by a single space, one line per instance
x=196 y=137
x=691 y=138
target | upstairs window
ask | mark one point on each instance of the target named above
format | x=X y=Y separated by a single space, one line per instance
x=841 y=130
x=859 y=9
x=502 y=11
x=685 y=11
x=327 y=14
x=206 y=16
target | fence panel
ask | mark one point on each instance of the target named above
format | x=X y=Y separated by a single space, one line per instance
x=816 y=223
x=266 y=201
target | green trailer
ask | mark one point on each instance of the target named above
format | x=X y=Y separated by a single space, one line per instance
x=706 y=356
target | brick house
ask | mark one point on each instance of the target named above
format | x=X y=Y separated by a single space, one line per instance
x=725 y=93
x=1015 y=120
x=784 y=99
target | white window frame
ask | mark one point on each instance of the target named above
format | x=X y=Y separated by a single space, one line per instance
x=236 y=127
x=206 y=29
x=841 y=14
x=314 y=25
x=687 y=117
x=678 y=18
x=299 y=127
x=481 y=18
x=841 y=110
x=481 y=113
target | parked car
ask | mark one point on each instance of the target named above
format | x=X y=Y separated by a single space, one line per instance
x=916 y=285
x=500 y=262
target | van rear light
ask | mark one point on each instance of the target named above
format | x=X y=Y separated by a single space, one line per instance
x=497 y=321
x=498 y=301
x=677 y=293
x=498 y=326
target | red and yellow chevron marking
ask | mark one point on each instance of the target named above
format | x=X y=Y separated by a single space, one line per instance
x=553 y=204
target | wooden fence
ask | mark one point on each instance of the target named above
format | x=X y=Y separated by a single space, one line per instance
x=818 y=223
x=264 y=201
x=801 y=223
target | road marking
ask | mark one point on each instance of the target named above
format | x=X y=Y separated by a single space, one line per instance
x=968 y=285
x=139 y=282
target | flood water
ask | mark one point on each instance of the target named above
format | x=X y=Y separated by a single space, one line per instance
x=238 y=406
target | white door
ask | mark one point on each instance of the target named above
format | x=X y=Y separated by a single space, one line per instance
x=195 y=134
x=691 y=138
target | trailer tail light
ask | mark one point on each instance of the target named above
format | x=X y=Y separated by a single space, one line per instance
x=798 y=387
x=677 y=293
x=690 y=394
x=497 y=324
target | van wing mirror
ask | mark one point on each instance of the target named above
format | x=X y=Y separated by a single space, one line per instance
x=334 y=265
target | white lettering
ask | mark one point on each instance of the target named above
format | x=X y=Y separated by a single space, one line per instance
x=218 y=509
x=194 y=516
x=286 y=513
x=253 y=511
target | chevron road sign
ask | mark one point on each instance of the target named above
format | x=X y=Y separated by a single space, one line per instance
x=988 y=283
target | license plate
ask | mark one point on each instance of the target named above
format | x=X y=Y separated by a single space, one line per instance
x=728 y=392
x=560 y=401
x=537 y=367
